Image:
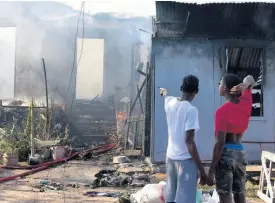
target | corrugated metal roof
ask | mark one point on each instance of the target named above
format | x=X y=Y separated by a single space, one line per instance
x=228 y=20
x=244 y=58
x=243 y=61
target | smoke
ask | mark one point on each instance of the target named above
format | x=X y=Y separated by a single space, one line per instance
x=47 y=30
x=264 y=19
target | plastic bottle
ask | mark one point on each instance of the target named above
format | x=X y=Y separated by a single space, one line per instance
x=44 y=182
x=199 y=196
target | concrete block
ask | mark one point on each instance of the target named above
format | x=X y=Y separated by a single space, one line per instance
x=130 y=153
x=121 y=159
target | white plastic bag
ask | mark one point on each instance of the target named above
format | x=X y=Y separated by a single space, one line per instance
x=151 y=193
x=215 y=198
x=205 y=198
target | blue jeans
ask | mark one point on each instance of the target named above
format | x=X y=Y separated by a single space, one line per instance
x=181 y=181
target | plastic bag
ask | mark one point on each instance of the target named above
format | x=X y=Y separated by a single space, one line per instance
x=151 y=193
x=205 y=198
x=215 y=198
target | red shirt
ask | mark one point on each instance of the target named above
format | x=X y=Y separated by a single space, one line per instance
x=234 y=118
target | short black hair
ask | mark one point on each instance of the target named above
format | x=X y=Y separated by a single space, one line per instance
x=230 y=80
x=190 y=84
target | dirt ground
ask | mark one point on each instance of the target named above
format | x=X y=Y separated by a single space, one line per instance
x=80 y=172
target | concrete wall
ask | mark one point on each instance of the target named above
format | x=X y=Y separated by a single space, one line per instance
x=89 y=79
x=7 y=61
x=175 y=59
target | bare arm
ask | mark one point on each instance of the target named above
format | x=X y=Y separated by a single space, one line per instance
x=191 y=125
x=220 y=135
x=239 y=137
x=217 y=152
x=192 y=148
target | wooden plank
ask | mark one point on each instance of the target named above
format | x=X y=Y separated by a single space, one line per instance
x=266 y=173
x=132 y=153
x=264 y=197
x=270 y=156
x=261 y=184
x=135 y=118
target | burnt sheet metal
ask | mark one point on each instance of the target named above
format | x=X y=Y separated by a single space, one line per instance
x=245 y=57
x=222 y=21
x=243 y=61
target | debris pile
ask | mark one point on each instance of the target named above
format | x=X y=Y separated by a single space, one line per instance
x=112 y=178
x=102 y=194
x=16 y=117
x=93 y=118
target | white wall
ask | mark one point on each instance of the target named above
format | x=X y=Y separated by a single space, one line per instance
x=7 y=62
x=173 y=61
x=89 y=80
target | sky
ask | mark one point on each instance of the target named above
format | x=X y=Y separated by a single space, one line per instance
x=132 y=7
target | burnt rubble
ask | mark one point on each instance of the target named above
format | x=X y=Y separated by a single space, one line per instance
x=17 y=116
x=112 y=178
x=77 y=126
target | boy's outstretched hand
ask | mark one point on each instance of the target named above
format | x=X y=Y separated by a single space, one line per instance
x=163 y=92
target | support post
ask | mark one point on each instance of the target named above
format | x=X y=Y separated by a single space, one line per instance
x=47 y=98
x=32 y=136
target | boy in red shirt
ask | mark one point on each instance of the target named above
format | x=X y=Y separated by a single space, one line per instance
x=231 y=121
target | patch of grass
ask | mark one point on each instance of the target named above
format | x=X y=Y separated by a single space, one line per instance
x=251 y=190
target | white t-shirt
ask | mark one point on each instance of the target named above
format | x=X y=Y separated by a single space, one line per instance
x=181 y=117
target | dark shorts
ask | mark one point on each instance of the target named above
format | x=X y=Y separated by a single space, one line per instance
x=231 y=172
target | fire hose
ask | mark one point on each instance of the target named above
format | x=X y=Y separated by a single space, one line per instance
x=37 y=168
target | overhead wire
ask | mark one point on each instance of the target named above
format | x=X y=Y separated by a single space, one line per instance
x=80 y=55
x=75 y=49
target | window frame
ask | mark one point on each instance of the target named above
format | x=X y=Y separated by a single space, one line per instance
x=263 y=64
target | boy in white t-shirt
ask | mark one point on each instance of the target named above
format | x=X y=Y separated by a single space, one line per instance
x=182 y=159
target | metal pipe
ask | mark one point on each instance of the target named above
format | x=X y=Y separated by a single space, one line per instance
x=258 y=142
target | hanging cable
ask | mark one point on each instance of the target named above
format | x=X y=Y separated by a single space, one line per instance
x=75 y=48
x=80 y=55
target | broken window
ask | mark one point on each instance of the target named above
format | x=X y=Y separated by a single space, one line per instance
x=248 y=61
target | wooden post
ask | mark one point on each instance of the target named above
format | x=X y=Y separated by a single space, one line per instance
x=265 y=178
x=32 y=136
x=47 y=98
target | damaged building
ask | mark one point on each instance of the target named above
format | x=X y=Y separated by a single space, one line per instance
x=86 y=58
x=210 y=40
